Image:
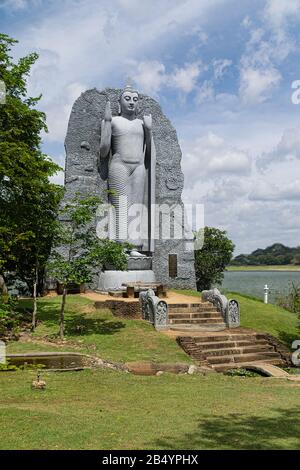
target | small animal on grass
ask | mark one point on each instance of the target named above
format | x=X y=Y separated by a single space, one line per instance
x=38 y=384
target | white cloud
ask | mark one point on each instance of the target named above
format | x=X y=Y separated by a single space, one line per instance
x=212 y=155
x=200 y=34
x=149 y=76
x=265 y=191
x=205 y=92
x=257 y=84
x=220 y=66
x=268 y=46
x=92 y=43
x=227 y=189
x=277 y=12
x=287 y=149
x=59 y=109
x=185 y=78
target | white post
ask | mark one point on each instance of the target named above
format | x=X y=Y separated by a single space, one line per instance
x=2 y=352
x=266 y=289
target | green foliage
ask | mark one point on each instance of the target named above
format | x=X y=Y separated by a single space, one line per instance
x=7 y=367
x=290 y=301
x=78 y=250
x=28 y=201
x=9 y=317
x=242 y=373
x=293 y=371
x=212 y=259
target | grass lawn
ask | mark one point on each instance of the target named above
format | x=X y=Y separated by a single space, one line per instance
x=268 y=318
x=104 y=409
x=284 y=267
x=98 y=332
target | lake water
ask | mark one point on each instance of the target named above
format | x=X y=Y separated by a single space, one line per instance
x=253 y=282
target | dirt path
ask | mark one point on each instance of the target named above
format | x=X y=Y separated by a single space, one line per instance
x=172 y=298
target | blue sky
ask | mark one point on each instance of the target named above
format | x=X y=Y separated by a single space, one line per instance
x=222 y=71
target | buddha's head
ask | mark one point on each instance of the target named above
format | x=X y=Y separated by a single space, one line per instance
x=128 y=101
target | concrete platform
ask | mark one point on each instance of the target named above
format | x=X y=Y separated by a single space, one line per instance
x=113 y=280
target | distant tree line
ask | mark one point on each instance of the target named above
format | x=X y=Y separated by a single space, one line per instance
x=276 y=254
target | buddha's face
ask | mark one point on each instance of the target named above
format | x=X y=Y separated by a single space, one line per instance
x=129 y=102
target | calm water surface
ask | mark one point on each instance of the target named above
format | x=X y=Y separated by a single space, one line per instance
x=253 y=282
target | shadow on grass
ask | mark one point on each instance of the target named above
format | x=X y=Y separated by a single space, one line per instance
x=236 y=431
x=77 y=323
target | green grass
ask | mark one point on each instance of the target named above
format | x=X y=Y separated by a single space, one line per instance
x=265 y=267
x=98 y=332
x=269 y=318
x=103 y=409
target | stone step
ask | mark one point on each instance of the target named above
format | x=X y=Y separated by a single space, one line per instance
x=201 y=321
x=186 y=308
x=237 y=358
x=241 y=365
x=190 y=305
x=190 y=328
x=232 y=344
x=194 y=315
x=230 y=337
x=237 y=351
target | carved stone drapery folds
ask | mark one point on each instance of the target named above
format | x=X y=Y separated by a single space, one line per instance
x=229 y=309
x=154 y=309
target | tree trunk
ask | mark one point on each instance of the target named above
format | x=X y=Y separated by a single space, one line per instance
x=34 y=300
x=3 y=288
x=41 y=290
x=62 y=313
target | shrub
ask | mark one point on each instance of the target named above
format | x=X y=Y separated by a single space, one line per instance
x=9 y=318
x=291 y=300
x=242 y=373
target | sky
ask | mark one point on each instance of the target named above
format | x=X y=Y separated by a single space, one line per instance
x=226 y=73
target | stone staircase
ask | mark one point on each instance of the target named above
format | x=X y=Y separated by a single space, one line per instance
x=195 y=316
x=232 y=350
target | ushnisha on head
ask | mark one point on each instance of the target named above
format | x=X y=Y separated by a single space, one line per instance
x=128 y=102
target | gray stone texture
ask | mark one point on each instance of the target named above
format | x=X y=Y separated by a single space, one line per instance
x=83 y=174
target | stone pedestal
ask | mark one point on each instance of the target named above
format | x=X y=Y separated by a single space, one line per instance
x=136 y=263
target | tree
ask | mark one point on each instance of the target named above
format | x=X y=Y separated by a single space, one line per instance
x=212 y=259
x=296 y=260
x=28 y=201
x=78 y=251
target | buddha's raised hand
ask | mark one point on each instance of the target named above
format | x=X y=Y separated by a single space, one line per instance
x=148 y=122
x=107 y=112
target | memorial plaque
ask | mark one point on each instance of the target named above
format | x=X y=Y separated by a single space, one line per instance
x=173 y=265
